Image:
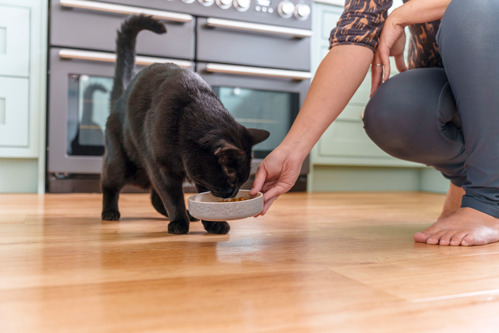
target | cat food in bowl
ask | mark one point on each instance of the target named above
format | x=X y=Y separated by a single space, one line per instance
x=206 y=206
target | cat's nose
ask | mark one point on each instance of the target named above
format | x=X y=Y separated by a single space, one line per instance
x=231 y=192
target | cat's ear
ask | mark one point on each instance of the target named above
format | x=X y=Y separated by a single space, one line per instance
x=225 y=149
x=258 y=135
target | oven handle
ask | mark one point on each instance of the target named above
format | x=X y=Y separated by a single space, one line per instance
x=111 y=57
x=257 y=71
x=127 y=10
x=255 y=27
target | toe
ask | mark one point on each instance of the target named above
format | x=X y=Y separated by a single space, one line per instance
x=434 y=239
x=420 y=237
x=446 y=237
x=468 y=240
x=458 y=238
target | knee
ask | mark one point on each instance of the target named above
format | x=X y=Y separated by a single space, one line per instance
x=401 y=108
x=383 y=124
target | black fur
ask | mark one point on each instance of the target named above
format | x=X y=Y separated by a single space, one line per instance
x=167 y=125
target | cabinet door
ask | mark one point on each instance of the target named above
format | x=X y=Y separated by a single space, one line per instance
x=345 y=141
x=14 y=41
x=14 y=125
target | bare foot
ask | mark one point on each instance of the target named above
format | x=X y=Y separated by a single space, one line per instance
x=466 y=227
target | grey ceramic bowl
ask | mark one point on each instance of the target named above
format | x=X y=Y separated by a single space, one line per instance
x=206 y=206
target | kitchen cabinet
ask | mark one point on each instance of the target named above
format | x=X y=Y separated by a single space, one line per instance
x=23 y=48
x=345 y=141
x=345 y=158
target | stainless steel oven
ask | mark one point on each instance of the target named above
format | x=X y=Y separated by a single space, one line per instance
x=254 y=53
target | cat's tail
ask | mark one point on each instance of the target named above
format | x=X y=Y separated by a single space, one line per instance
x=125 y=50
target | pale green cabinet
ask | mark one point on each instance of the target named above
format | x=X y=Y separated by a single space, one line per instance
x=345 y=159
x=23 y=49
x=345 y=141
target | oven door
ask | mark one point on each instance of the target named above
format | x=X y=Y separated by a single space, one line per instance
x=80 y=86
x=259 y=98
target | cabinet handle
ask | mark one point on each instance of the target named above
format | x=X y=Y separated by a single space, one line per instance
x=257 y=71
x=126 y=10
x=255 y=27
x=111 y=57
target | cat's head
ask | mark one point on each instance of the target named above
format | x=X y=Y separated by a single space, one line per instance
x=225 y=163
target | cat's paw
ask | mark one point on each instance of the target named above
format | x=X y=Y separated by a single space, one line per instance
x=110 y=215
x=220 y=228
x=192 y=218
x=178 y=227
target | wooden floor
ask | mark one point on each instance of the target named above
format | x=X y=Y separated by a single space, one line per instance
x=315 y=263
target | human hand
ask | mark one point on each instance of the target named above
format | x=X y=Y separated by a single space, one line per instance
x=391 y=43
x=276 y=175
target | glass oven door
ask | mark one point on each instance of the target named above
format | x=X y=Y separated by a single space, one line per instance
x=259 y=98
x=80 y=86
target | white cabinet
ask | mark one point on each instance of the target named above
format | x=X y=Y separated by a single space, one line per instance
x=14 y=41
x=23 y=71
x=14 y=118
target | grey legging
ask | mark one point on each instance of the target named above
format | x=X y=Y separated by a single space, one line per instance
x=448 y=118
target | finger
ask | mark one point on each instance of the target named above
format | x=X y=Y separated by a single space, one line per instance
x=273 y=192
x=376 y=74
x=385 y=60
x=260 y=177
x=400 y=62
x=267 y=205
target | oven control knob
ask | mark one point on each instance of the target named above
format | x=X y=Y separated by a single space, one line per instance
x=242 y=5
x=224 y=4
x=302 y=11
x=286 y=8
x=206 y=2
x=188 y=1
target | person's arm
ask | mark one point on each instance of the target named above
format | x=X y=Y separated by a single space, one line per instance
x=412 y=12
x=338 y=77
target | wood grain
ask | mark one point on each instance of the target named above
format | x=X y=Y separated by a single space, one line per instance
x=319 y=262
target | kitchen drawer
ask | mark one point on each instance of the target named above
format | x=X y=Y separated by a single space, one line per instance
x=14 y=111
x=95 y=29
x=14 y=41
x=234 y=42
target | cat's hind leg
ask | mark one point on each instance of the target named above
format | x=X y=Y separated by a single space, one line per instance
x=112 y=178
x=168 y=187
x=160 y=208
x=157 y=203
x=111 y=187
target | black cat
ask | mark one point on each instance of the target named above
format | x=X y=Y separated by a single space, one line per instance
x=166 y=124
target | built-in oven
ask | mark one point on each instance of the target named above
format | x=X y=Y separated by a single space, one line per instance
x=259 y=68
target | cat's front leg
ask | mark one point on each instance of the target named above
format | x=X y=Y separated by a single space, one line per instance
x=219 y=228
x=169 y=189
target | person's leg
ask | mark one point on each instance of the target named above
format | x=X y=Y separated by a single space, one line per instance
x=466 y=41
x=413 y=116
x=467 y=44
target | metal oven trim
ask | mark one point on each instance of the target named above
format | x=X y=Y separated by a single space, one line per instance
x=125 y=10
